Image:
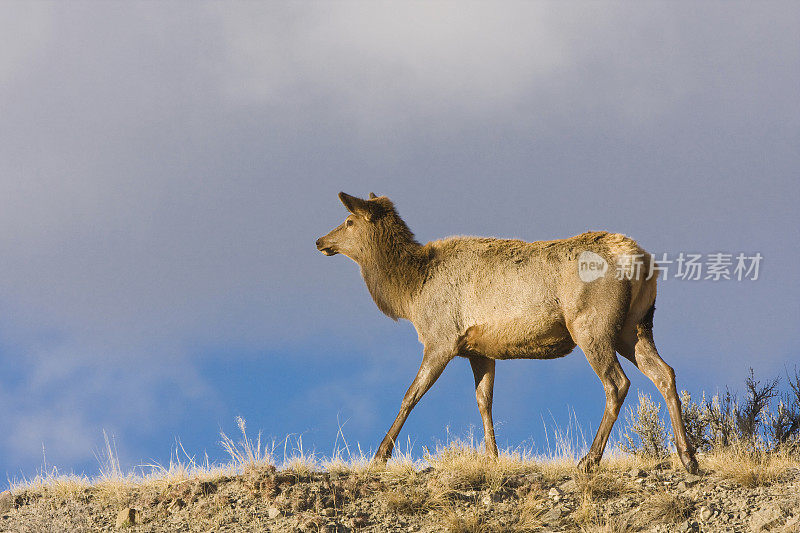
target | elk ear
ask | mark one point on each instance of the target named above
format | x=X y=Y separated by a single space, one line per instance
x=372 y=196
x=357 y=206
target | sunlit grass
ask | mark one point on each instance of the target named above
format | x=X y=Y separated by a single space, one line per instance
x=750 y=468
x=460 y=463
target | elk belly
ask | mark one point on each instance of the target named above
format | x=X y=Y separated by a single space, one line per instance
x=517 y=339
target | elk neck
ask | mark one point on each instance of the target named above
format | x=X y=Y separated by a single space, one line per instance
x=395 y=268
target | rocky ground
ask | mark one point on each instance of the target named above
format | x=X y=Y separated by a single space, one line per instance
x=451 y=497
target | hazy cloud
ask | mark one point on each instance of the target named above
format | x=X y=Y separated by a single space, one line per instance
x=166 y=168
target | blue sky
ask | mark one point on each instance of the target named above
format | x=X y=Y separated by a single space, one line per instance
x=166 y=168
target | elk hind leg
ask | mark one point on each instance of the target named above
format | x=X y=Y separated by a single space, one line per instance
x=647 y=359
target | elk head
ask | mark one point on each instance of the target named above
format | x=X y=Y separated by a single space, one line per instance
x=354 y=236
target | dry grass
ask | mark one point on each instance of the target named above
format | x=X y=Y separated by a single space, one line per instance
x=403 y=467
x=564 y=447
x=245 y=452
x=52 y=482
x=463 y=465
x=460 y=465
x=750 y=468
x=591 y=518
x=457 y=488
x=473 y=520
x=115 y=487
x=448 y=484
x=603 y=484
x=531 y=509
x=413 y=500
x=664 y=507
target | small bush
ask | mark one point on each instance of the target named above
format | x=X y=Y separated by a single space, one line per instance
x=783 y=427
x=720 y=413
x=748 y=424
x=749 y=417
x=696 y=420
x=649 y=433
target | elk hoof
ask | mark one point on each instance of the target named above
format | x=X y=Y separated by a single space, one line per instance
x=587 y=464
x=378 y=464
x=689 y=463
x=381 y=458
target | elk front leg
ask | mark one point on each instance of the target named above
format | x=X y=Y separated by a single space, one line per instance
x=483 y=370
x=429 y=371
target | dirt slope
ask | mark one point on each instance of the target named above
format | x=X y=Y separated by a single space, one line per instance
x=264 y=499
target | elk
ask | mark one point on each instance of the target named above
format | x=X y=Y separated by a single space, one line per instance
x=486 y=299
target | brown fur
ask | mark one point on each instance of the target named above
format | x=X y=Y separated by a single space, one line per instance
x=488 y=299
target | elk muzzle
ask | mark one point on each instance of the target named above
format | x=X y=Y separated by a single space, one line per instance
x=325 y=247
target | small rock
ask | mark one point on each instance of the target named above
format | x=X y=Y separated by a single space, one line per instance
x=487 y=500
x=569 y=486
x=329 y=511
x=553 y=514
x=767 y=519
x=273 y=512
x=127 y=517
x=706 y=513
x=637 y=473
x=6 y=501
x=691 y=480
x=555 y=494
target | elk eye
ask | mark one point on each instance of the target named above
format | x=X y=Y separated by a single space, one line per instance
x=349 y=222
